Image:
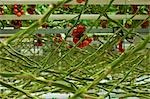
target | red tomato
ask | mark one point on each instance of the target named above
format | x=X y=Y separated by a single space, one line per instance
x=15 y=6
x=22 y=12
x=121 y=50
x=80 y=28
x=75 y=33
x=75 y=40
x=16 y=11
x=89 y=40
x=120 y=44
x=120 y=47
x=81 y=45
x=1 y=11
x=85 y=43
x=19 y=14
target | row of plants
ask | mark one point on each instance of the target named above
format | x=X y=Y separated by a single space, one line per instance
x=17 y=24
x=72 y=9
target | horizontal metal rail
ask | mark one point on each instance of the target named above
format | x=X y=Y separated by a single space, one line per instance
x=106 y=31
x=71 y=16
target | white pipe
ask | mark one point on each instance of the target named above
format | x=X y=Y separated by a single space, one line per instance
x=70 y=16
x=116 y=2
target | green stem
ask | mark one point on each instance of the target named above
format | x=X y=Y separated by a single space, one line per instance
x=127 y=74
x=16 y=89
x=45 y=60
x=102 y=74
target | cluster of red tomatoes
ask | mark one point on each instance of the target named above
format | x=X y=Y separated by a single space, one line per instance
x=77 y=33
x=16 y=24
x=31 y=9
x=18 y=10
x=39 y=40
x=58 y=38
x=1 y=10
x=39 y=36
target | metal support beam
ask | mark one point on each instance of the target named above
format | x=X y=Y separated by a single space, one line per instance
x=70 y=16
x=9 y=32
